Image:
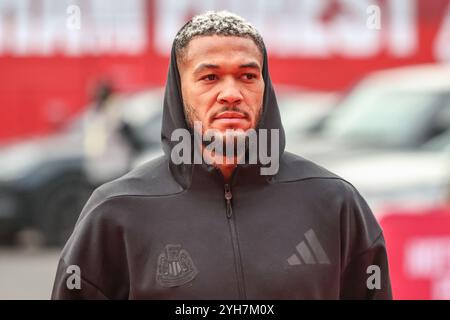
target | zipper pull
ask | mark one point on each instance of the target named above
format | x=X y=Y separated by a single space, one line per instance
x=228 y=197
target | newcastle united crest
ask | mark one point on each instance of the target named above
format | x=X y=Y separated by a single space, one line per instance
x=175 y=267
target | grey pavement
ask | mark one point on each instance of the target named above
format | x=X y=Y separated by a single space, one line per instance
x=27 y=273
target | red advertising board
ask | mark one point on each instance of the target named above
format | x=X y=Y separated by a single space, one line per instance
x=53 y=51
x=419 y=253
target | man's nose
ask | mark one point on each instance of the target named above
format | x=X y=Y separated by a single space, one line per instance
x=230 y=93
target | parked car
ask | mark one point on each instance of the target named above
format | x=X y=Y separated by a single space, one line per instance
x=389 y=136
x=397 y=109
x=400 y=180
x=43 y=184
x=302 y=111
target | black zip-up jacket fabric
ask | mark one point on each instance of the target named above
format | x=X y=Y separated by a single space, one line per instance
x=166 y=231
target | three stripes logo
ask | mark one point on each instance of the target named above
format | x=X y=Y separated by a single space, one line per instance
x=312 y=254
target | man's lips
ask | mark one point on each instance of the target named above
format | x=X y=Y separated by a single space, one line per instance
x=230 y=115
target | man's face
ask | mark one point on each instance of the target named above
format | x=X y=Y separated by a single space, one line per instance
x=221 y=82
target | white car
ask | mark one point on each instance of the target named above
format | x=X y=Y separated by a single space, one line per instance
x=397 y=109
x=390 y=137
x=399 y=180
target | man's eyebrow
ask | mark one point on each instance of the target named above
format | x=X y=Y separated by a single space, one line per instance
x=204 y=66
x=252 y=65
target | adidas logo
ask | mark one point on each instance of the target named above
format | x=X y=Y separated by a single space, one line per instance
x=311 y=254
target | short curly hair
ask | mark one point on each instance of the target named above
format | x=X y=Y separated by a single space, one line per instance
x=222 y=23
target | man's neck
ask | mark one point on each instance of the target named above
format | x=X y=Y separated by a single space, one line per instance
x=226 y=166
x=227 y=171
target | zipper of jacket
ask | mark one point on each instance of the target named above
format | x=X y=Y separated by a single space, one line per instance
x=235 y=242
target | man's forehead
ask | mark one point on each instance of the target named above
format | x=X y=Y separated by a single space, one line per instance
x=214 y=49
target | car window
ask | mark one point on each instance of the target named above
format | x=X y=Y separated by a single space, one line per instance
x=297 y=117
x=380 y=117
x=439 y=143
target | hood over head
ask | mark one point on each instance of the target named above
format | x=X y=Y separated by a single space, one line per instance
x=174 y=116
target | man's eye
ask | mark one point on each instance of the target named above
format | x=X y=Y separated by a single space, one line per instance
x=249 y=76
x=210 y=77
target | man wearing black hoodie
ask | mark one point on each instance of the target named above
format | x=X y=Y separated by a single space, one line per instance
x=224 y=227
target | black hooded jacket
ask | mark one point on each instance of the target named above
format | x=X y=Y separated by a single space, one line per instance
x=166 y=231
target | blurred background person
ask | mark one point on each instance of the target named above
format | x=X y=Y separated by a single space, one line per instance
x=107 y=146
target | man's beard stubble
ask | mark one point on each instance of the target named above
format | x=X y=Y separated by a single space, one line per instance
x=191 y=116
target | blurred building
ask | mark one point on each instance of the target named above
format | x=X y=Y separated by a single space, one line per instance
x=53 y=51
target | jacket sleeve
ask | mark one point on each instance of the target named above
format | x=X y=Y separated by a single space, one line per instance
x=364 y=265
x=63 y=290
x=93 y=263
x=367 y=274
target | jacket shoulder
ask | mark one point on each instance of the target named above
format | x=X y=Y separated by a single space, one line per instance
x=330 y=188
x=295 y=168
x=151 y=179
